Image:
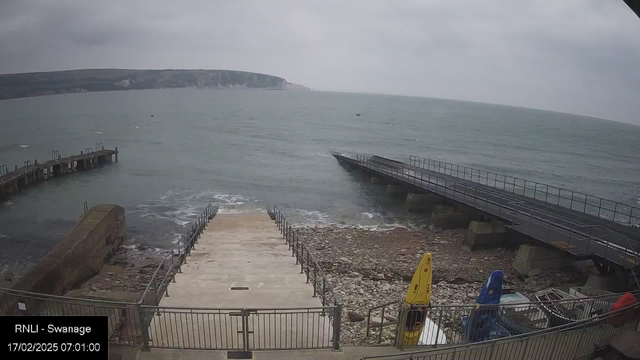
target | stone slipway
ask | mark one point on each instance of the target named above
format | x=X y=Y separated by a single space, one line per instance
x=242 y=251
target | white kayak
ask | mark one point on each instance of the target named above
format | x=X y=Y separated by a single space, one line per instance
x=431 y=334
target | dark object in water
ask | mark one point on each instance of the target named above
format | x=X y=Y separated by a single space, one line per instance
x=358 y=114
x=151 y=115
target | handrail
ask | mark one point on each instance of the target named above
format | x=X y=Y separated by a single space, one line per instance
x=578 y=325
x=174 y=259
x=60 y=298
x=298 y=249
x=584 y=307
x=469 y=195
x=515 y=183
x=383 y=309
x=28 y=166
x=635 y=293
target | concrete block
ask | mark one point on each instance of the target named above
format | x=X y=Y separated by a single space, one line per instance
x=83 y=250
x=613 y=283
x=531 y=257
x=379 y=181
x=484 y=234
x=449 y=217
x=422 y=202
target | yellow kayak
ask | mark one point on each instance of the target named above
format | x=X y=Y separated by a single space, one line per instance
x=419 y=293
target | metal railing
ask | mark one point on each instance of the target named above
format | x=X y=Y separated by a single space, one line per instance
x=313 y=271
x=458 y=324
x=139 y=324
x=241 y=329
x=589 y=204
x=308 y=264
x=172 y=262
x=385 y=315
x=568 y=341
x=28 y=166
x=548 y=226
x=124 y=318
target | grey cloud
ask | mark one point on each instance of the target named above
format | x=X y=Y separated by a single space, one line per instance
x=577 y=56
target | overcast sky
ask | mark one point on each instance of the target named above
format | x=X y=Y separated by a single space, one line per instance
x=576 y=56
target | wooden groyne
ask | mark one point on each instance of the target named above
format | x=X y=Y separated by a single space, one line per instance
x=20 y=178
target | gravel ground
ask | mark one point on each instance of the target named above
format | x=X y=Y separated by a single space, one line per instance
x=129 y=270
x=368 y=268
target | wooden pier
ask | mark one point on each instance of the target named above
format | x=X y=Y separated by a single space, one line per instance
x=30 y=173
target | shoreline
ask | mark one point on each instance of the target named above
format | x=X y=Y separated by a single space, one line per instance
x=369 y=268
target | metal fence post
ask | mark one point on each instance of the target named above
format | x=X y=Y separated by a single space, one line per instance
x=315 y=293
x=402 y=320
x=337 y=326
x=307 y=266
x=142 y=318
x=553 y=347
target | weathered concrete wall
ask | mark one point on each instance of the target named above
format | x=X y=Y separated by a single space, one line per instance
x=450 y=217
x=397 y=190
x=531 y=257
x=484 y=234
x=613 y=283
x=80 y=254
x=379 y=181
x=422 y=202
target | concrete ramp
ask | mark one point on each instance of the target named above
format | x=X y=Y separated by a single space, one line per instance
x=241 y=275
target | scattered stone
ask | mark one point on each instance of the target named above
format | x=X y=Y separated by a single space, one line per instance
x=355 y=316
x=370 y=268
x=390 y=318
x=534 y=272
x=375 y=320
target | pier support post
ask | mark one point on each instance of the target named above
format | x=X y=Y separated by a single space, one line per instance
x=116 y=154
x=449 y=217
x=422 y=202
x=612 y=282
x=379 y=181
x=397 y=190
x=484 y=234
x=531 y=257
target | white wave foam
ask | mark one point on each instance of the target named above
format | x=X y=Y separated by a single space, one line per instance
x=371 y=227
x=323 y=155
x=369 y=215
x=25 y=146
x=230 y=199
x=315 y=217
x=231 y=211
x=98 y=132
x=9 y=203
x=4 y=236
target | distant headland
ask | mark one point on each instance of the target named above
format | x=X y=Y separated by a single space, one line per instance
x=88 y=80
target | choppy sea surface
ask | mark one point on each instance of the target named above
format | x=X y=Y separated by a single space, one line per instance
x=241 y=150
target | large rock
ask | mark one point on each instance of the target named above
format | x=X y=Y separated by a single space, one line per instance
x=355 y=316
